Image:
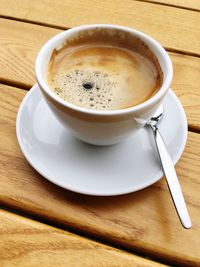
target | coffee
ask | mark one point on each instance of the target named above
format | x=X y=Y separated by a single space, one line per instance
x=104 y=70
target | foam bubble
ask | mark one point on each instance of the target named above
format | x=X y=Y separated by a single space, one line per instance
x=85 y=87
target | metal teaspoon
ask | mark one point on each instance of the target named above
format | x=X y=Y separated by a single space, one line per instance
x=169 y=171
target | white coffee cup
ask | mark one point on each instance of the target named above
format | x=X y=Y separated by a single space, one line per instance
x=99 y=127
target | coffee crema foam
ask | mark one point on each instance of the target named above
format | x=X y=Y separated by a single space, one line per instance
x=103 y=75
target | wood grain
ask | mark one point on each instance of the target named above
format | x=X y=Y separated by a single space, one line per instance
x=25 y=242
x=20 y=43
x=191 y=4
x=150 y=18
x=144 y=221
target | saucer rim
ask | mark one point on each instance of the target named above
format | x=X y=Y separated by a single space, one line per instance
x=85 y=192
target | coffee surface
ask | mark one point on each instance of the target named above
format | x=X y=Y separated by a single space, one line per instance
x=104 y=75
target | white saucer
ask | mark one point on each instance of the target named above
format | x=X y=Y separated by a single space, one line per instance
x=101 y=171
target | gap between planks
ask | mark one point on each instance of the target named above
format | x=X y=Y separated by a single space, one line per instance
x=170 y=5
x=15 y=84
x=48 y=25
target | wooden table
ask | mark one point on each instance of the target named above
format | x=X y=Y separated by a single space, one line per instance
x=44 y=225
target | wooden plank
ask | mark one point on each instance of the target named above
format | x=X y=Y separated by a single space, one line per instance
x=185 y=86
x=181 y=27
x=191 y=4
x=144 y=221
x=20 y=43
x=25 y=242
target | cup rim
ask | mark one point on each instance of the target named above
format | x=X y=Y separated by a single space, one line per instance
x=67 y=33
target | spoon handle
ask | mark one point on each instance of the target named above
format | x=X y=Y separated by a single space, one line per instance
x=172 y=180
